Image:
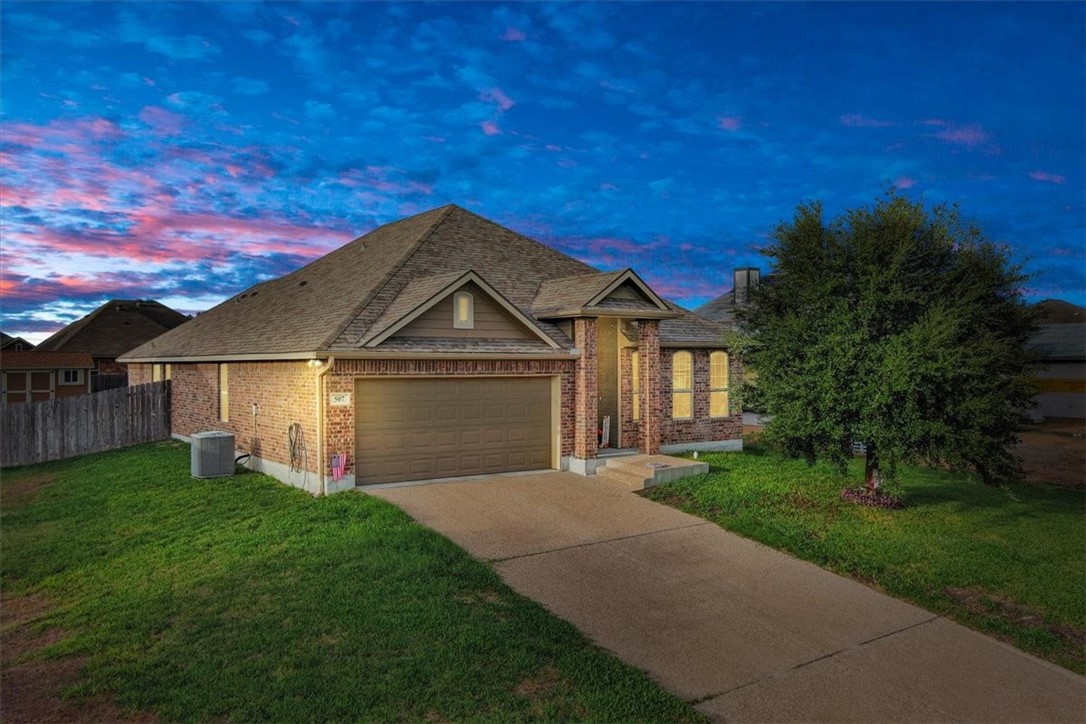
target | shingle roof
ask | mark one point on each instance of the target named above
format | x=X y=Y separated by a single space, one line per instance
x=1057 y=311
x=571 y=292
x=37 y=360
x=114 y=328
x=354 y=292
x=6 y=340
x=721 y=309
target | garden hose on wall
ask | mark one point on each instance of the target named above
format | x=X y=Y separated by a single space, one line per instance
x=299 y=455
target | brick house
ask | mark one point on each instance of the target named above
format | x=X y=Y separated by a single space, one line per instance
x=445 y=345
x=34 y=376
x=112 y=329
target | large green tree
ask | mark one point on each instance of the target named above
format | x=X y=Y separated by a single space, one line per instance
x=898 y=327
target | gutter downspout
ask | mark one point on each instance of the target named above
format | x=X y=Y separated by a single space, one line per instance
x=322 y=477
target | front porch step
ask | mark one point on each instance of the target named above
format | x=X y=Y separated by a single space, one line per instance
x=637 y=472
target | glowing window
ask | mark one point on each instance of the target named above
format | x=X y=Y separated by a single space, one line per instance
x=224 y=393
x=463 y=311
x=635 y=377
x=718 y=384
x=682 y=385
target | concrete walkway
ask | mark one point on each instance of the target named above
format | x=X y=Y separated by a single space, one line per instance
x=744 y=632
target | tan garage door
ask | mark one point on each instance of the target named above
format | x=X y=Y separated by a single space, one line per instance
x=417 y=429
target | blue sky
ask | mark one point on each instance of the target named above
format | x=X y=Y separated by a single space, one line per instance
x=184 y=152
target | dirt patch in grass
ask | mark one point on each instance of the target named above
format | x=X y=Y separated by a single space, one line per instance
x=537 y=687
x=24 y=487
x=31 y=687
x=992 y=605
x=1054 y=452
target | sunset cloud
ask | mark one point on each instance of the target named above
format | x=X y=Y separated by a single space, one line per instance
x=731 y=123
x=1052 y=178
x=185 y=150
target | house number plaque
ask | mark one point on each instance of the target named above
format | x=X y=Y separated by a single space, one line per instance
x=340 y=399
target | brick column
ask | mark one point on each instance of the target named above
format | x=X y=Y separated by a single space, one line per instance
x=648 y=351
x=586 y=390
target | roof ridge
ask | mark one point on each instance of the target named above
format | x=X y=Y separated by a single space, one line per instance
x=412 y=250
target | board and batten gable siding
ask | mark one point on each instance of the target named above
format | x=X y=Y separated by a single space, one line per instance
x=284 y=393
x=491 y=321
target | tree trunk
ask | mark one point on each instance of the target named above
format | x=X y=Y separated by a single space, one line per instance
x=871 y=469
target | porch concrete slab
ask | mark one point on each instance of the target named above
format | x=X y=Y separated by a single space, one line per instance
x=516 y=515
x=705 y=611
x=937 y=671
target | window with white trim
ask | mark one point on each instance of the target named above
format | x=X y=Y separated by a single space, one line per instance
x=635 y=378
x=682 y=385
x=71 y=377
x=224 y=393
x=463 y=310
x=718 y=384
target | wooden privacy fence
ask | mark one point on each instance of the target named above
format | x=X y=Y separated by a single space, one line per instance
x=40 y=431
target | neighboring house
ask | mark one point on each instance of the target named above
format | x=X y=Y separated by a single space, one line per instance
x=445 y=345
x=14 y=344
x=38 y=376
x=722 y=309
x=1060 y=343
x=114 y=328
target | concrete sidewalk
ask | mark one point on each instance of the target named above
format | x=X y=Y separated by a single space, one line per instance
x=744 y=632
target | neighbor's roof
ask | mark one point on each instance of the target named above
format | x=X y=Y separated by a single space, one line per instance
x=114 y=328
x=1059 y=342
x=352 y=293
x=7 y=340
x=1057 y=311
x=38 y=360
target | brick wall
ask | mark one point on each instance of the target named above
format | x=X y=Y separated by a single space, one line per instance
x=284 y=393
x=110 y=366
x=586 y=419
x=139 y=374
x=340 y=420
x=700 y=428
x=648 y=352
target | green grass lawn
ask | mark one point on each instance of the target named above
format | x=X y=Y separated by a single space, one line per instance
x=244 y=599
x=1008 y=562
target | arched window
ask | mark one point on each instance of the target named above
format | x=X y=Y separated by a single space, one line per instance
x=463 y=311
x=718 y=384
x=635 y=377
x=682 y=385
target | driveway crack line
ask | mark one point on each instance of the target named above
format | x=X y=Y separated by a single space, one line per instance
x=598 y=542
x=815 y=660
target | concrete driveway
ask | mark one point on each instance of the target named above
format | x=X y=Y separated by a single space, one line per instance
x=744 y=632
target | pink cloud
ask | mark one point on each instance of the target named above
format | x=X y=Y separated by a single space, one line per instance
x=434 y=139
x=968 y=136
x=490 y=128
x=608 y=187
x=552 y=147
x=497 y=97
x=1052 y=178
x=934 y=122
x=731 y=123
x=857 y=120
x=162 y=121
x=904 y=182
x=513 y=35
